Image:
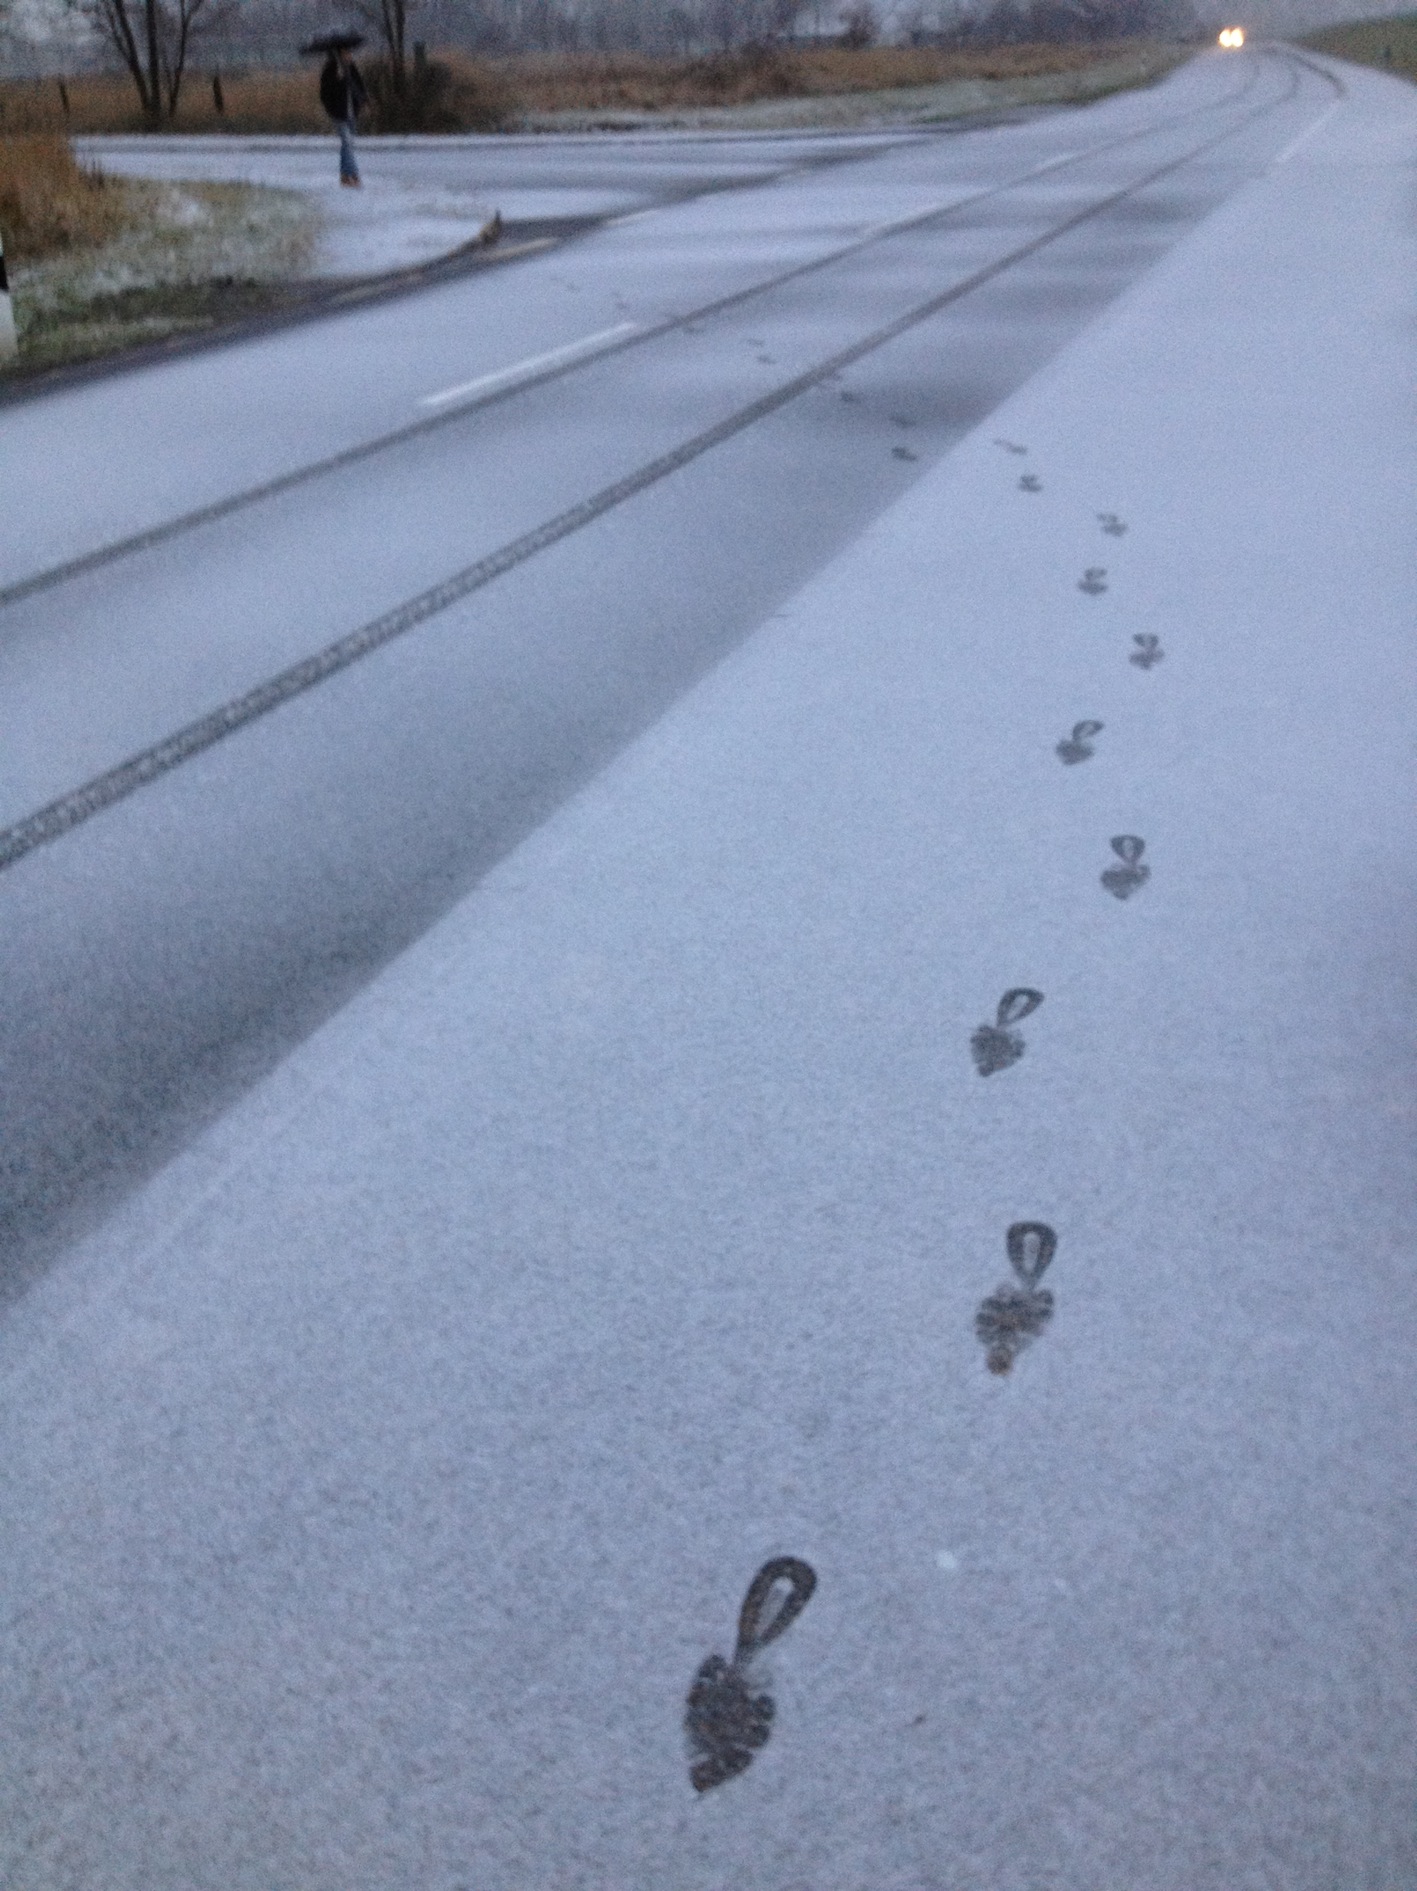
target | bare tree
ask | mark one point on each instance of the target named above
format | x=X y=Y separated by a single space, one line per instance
x=152 y=38
x=389 y=19
x=730 y=23
x=860 y=24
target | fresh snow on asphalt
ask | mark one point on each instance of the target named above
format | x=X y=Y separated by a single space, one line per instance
x=423 y=198
x=377 y=1480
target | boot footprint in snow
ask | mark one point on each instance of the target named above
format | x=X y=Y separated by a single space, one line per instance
x=1133 y=873
x=1078 y=746
x=1013 y=1316
x=725 y=1721
x=995 y=1046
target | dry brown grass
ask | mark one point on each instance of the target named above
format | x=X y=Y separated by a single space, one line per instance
x=457 y=94
x=49 y=203
x=629 y=82
x=258 y=101
x=481 y=94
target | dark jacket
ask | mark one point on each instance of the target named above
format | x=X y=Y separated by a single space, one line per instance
x=341 y=93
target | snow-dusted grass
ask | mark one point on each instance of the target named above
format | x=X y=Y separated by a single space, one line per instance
x=978 y=84
x=189 y=254
x=609 y=81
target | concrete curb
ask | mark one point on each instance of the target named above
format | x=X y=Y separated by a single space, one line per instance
x=515 y=242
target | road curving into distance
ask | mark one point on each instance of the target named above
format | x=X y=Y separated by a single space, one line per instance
x=358 y=602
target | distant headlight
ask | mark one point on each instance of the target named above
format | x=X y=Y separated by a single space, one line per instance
x=1232 y=35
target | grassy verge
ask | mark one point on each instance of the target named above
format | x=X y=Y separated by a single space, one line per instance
x=49 y=204
x=607 y=82
x=937 y=102
x=463 y=94
x=103 y=263
x=449 y=94
x=1390 y=44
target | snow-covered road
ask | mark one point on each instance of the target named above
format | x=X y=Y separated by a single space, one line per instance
x=196 y=541
x=378 y=1476
x=423 y=197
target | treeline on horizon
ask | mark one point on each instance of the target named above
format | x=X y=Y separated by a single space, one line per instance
x=687 y=28
x=1057 y=23
x=266 y=33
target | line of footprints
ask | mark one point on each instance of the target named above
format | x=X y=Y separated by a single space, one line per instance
x=730 y=1714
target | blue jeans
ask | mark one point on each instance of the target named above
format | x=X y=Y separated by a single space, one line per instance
x=347 y=164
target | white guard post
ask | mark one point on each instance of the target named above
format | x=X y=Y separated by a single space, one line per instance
x=9 y=342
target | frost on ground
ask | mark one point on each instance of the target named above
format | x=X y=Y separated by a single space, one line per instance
x=930 y=104
x=192 y=254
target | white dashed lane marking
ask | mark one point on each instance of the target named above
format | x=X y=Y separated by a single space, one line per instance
x=534 y=364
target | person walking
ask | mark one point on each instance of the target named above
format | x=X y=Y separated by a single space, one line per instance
x=342 y=93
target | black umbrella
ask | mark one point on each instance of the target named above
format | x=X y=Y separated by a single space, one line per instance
x=334 y=43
